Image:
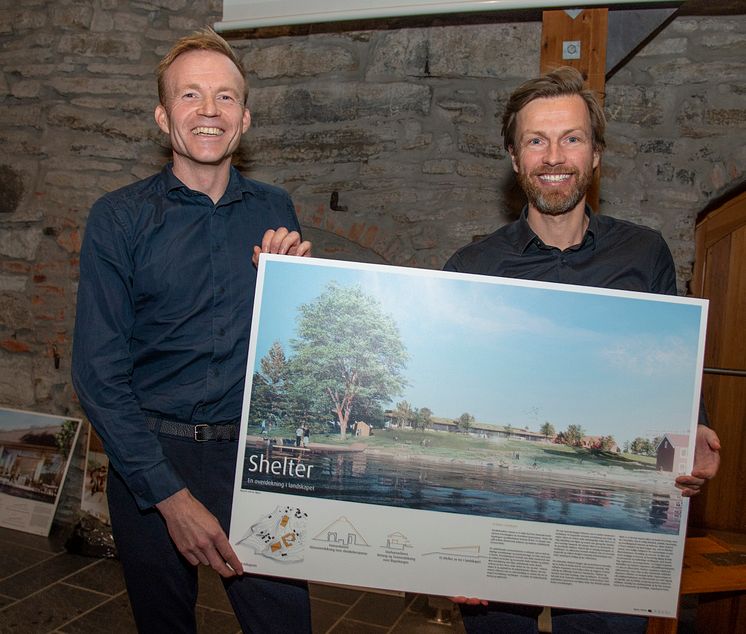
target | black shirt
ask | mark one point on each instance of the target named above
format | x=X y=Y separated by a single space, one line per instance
x=613 y=254
x=164 y=313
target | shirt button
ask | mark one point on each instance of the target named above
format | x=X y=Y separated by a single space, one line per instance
x=215 y=371
x=221 y=290
x=221 y=331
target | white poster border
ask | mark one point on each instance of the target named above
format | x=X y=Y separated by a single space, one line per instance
x=510 y=560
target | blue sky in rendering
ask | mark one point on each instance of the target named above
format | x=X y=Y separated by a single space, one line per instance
x=514 y=354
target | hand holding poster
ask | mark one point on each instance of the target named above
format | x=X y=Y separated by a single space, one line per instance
x=467 y=435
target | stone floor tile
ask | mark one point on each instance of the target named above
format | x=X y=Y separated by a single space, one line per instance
x=112 y=616
x=54 y=543
x=216 y=622
x=43 y=574
x=211 y=591
x=346 y=626
x=378 y=609
x=104 y=575
x=47 y=610
x=324 y=614
x=338 y=594
x=14 y=558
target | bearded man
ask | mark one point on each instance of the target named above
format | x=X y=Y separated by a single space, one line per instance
x=553 y=130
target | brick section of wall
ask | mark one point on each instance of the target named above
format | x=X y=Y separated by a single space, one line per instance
x=400 y=125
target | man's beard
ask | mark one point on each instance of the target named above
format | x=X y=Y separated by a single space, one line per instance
x=555 y=203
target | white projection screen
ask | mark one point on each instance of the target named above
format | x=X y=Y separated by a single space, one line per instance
x=248 y=14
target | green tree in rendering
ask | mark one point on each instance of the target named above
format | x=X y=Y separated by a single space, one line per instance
x=64 y=437
x=403 y=414
x=574 y=435
x=547 y=429
x=423 y=418
x=607 y=443
x=348 y=350
x=641 y=446
x=465 y=421
x=270 y=390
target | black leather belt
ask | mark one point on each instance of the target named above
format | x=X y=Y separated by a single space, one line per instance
x=201 y=432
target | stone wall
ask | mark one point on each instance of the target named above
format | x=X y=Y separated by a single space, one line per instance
x=387 y=138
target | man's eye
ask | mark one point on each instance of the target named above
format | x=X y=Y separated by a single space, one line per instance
x=573 y=139
x=534 y=141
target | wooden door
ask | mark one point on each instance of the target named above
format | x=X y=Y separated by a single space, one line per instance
x=720 y=276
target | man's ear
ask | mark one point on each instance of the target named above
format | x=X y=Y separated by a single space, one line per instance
x=161 y=118
x=596 y=158
x=513 y=158
x=246 y=122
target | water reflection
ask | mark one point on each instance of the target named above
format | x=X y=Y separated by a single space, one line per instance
x=486 y=491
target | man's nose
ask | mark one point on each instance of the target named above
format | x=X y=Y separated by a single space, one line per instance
x=554 y=154
x=208 y=106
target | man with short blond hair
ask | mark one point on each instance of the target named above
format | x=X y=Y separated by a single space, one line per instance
x=167 y=276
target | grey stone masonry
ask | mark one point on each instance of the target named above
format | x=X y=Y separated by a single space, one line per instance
x=400 y=124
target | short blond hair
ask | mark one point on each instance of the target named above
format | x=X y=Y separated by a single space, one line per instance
x=203 y=40
x=561 y=82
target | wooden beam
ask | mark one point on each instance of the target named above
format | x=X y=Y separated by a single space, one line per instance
x=577 y=38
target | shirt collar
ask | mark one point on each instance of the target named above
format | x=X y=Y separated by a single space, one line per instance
x=525 y=235
x=237 y=185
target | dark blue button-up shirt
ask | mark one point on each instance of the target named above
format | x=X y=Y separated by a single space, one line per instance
x=613 y=254
x=164 y=313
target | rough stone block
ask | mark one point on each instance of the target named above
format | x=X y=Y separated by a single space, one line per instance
x=298 y=60
x=102 y=123
x=726 y=43
x=25 y=89
x=325 y=103
x=439 y=166
x=102 y=21
x=111 y=85
x=461 y=111
x=683 y=71
x=480 y=145
x=74 y=16
x=111 y=46
x=130 y=22
x=24 y=18
x=20 y=244
x=170 y=5
x=12 y=283
x=494 y=50
x=664 y=46
x=16 y=379
x=397 y=54
x=642 y=106
x=22 y=115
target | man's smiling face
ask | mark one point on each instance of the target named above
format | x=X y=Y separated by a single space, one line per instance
x=204 y=114
x=554 y=156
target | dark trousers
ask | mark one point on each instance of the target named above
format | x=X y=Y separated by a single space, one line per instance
x=162 y=585
x=518 y=619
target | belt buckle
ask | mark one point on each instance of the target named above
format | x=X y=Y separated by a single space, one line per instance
x=197 y=429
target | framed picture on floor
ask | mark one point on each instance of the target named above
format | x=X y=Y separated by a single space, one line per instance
x=35 y=453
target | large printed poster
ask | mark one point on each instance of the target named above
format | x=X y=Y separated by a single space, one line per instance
x=467 y=435
x=35 y=453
